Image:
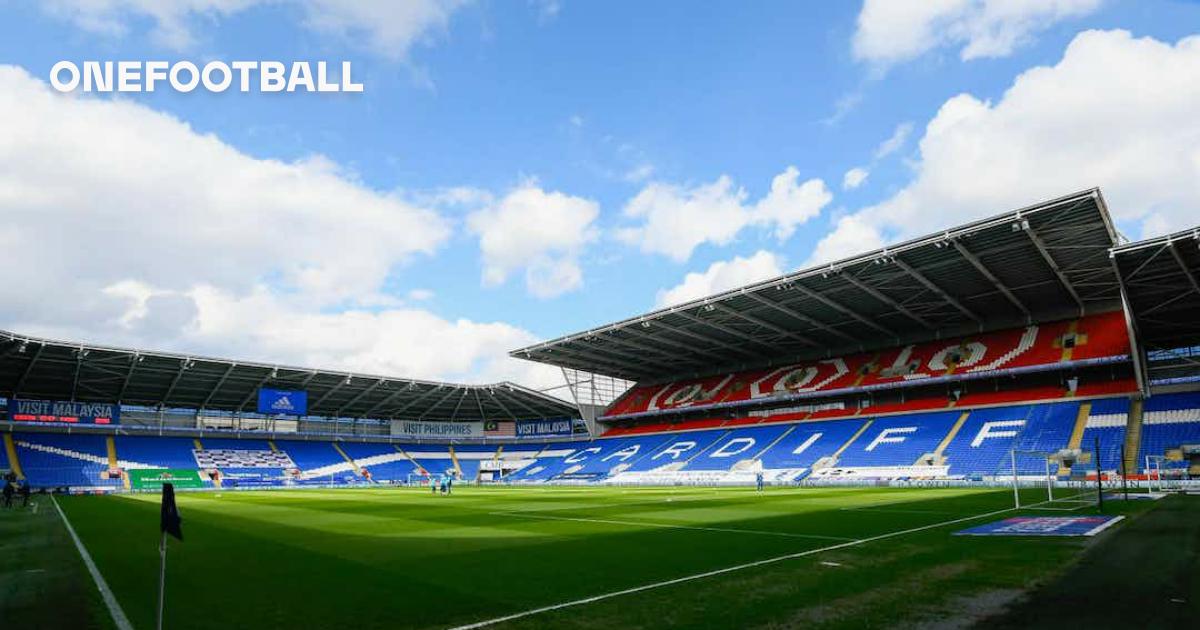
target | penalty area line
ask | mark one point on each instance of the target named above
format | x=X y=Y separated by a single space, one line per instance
x=110 y=600
x=716 y=572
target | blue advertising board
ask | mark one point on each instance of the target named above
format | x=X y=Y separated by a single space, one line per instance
x=282 y=401
x=58 y=411
x=1044 y=526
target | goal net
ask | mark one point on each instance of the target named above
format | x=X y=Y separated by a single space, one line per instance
x=1064 y=480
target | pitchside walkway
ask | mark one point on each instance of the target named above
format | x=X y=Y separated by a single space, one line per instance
x=1143 y=576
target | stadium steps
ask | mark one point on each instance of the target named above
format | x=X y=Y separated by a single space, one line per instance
x=454 y=459
x=271 y=445
x=338 y=447
x=1085 y=411
x=110 y=445
x=838 y=453
x=13 y=462
x=1133 y=433
x=199 y=446
x=418 y=468
x=938 y=457
x=760 y=453
x=707 y=448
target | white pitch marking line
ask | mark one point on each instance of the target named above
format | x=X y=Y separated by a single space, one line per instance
x=726 y=530
x=110 y=600
x=707 y=574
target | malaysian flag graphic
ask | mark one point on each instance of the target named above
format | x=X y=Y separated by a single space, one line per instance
x=499 y=428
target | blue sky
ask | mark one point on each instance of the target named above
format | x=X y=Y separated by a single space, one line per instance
x=643 y=138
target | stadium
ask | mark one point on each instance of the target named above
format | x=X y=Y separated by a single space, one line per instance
x=796 y=452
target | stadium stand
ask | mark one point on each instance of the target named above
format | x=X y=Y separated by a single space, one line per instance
x=160 y=452
x=1106 y=422
x=317 y=460
x=1169 y=422
x=54 y=460
x=1096 y=338
x=677 y=450
x=898 y=440
x=735 y=446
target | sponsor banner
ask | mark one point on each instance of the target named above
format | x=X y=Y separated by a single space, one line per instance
x=63 y=411
x=241 y=458
x=1044 y=526
x=153 y=479
x=422 y=430
x=543 y=428
x=282 y=401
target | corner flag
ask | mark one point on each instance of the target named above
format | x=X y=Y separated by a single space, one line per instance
x=170 y=521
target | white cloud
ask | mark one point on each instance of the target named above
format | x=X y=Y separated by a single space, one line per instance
x=895 y=141
x=1114 y=112
x=722 y=276
x=385 y=27
x=854 y=178
x=789 y=203
x=123 y=225
x=892 y=31
x=674 y=220
x=541 y=232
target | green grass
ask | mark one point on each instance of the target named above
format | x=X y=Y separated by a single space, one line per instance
x=43 y=583
x=403 y=558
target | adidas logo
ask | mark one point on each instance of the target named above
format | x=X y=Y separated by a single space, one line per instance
x=283 y=403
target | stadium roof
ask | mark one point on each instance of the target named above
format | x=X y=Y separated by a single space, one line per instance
x=1040 y=263
x=1162 y=282
x=45 y=369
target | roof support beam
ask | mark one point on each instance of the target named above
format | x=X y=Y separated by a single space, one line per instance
x=479 y=404
x=534 y=413
x=79 y=355
x=333 y=390
x=28 y=369
x=987 y=273
x=405 y=407
x=497 y=400
x=444 y=398
x=359 y=397
x=920 y=277
x=390 y=397
x=875 y=293
x=221 y=381
x=687 y=333
x=839 y=307
x=615 y=353
x=766 y=324
x=183 y=367
x=1058 y=272
x=454 y=414
x=668 y=342
x=260 y=383
x=1184 y=267
x=786 y=310
x=725 y=329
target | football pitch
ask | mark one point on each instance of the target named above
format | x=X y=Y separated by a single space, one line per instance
x=540 y=557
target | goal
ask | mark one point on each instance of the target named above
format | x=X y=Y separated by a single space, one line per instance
x=1054 y=480
x=1162 y=476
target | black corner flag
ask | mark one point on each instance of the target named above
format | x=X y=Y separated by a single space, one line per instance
x=171 y=522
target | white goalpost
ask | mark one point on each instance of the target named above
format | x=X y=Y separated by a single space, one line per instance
x=1159 y=476
x=1053 y=480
